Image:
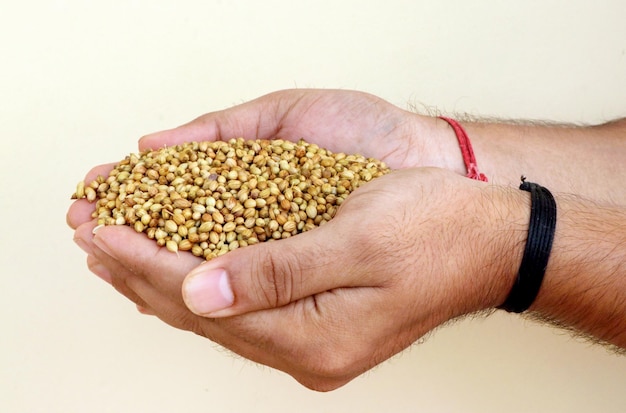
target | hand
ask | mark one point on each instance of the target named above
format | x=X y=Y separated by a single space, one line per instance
x=406 y=253
x=342 y=121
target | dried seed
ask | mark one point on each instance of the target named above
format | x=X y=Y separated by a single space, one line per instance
x=229 y=227
x=218 y=217
x=289 y=226
x=171 y=245
x=90 y=194
x=80 y=190
x=171 y=226
x=139 y=226
x=185 y=245
x=178 y=218
x=311 y=211
x=182 y=203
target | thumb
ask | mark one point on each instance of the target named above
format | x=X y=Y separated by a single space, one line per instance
x=271 y=274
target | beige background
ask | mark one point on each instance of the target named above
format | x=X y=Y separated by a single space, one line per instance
x=81 y=81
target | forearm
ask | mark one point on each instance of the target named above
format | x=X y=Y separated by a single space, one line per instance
x=585 y=281
x=586 y=161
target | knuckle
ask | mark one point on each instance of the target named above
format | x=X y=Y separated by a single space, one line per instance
x=327 y=366
x=320 y=385
x=327 y=372
x=274 y=276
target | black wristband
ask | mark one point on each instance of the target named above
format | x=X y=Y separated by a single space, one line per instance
x=537 y=251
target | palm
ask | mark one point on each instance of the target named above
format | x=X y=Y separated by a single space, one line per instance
x=342 y=121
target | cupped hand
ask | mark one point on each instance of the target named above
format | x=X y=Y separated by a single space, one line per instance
x=338 y=120
x=406 y=252
x=331 y=303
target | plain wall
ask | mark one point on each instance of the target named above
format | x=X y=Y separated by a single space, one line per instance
x=80 y=82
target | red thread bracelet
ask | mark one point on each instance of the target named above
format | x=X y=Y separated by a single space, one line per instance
x=466 y=150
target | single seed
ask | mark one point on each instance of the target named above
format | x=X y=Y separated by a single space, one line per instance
x=229 y=227
x=171 y=226
x=289 y=226
x=206 y=226
x=160 y=234
x=171 y=246
x=281 y=219
x=218 y=217
x=90 y=193
x=80 y=190
x=230 y=237
x=214 y=237
x=178 y=218
x=185 y=245
x=197 y=250
x=182 y=203
x=311 y=211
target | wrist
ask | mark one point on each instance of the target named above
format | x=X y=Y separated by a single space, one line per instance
x=438 y=144
x=503 y=237
x=485 y=242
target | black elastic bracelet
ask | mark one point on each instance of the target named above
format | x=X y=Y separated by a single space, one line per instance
x=537 y=251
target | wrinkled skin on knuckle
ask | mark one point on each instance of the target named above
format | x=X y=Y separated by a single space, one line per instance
x=271 y=278
x=277 y=278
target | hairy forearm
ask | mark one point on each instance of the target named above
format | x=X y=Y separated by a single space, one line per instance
x=585 y=282
x=584 y=160
x=584 y=166
x=587 y=161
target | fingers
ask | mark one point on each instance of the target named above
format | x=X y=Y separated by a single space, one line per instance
x=145 y=310
x=316 y=338
x=145 y=273
x=140 y=255
x=151 y=277
x=79 y=213
x=274 y=274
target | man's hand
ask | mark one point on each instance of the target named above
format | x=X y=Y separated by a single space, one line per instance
x=398 y=260
x=341 y=121
x=329 y=304
x=406 y=252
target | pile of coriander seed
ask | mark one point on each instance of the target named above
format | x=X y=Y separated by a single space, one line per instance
x=213 y=197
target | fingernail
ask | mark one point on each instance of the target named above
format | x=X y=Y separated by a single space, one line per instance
x=144 y=310
x=206 y=292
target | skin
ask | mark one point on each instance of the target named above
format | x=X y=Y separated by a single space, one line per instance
x=331 y=303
